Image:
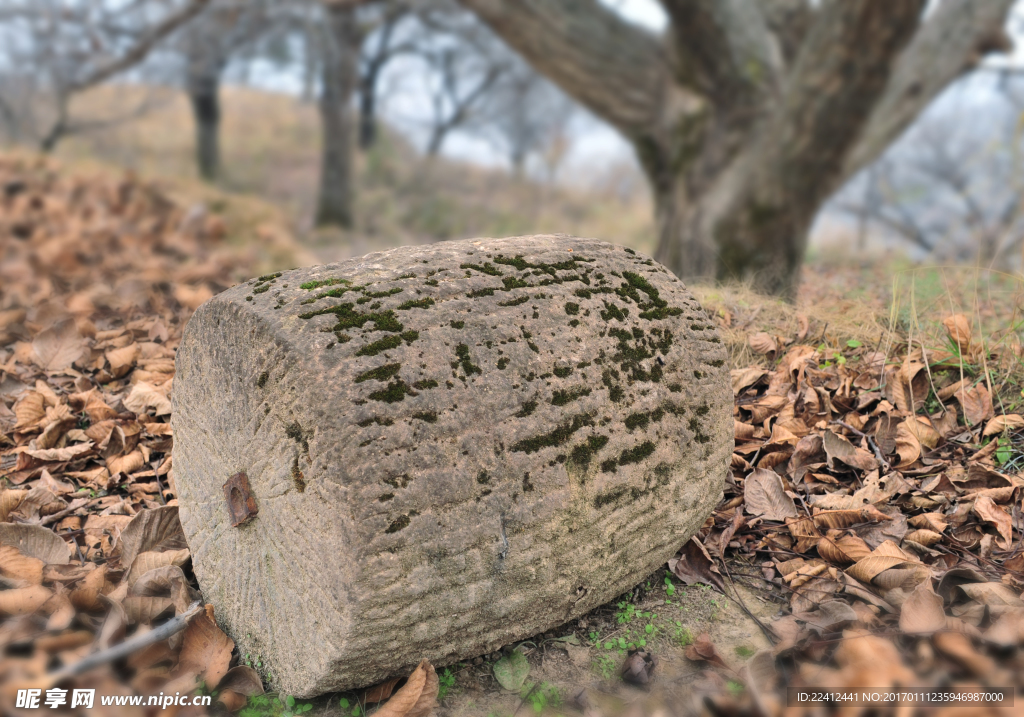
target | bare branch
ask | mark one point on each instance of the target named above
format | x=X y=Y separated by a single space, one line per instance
x=842 y=69
x=724 y=48
x=952 y=41
x=788 y=21
x=143 y=45
x=616 y=69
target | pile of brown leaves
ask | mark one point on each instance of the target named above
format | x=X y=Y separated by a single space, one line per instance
x=97 y=280
x=869 y=492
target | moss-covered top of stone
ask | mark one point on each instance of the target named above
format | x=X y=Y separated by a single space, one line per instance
x=472 y=311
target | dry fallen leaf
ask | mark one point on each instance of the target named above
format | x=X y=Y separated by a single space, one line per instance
x=57 y=347
x=35 y=541
x=988 y=511
x=638 y=667
x=922 y=613
x=762 y=343
x=145 y=396
x=976 y=403
x=155 y=530
x=764 y=495
x=23 y=601
x=205 y=649
x=694 y=565
x=838 y=448
x=999 y=424
x=418 y=695
x=958 y=328
x=703 y=649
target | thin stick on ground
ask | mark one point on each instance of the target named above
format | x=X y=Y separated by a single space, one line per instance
x=171 y=627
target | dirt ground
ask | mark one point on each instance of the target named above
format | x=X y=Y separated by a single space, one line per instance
x=577 y=664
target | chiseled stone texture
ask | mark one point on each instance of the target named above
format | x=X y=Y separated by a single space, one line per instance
x=452 y=447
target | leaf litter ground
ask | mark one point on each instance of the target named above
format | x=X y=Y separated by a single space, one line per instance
x=869 y=535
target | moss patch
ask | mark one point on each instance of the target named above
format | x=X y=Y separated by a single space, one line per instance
x=527 y=408
x=636 y=454
x=582 y=454
x=462 y=352
x=416 y=304
x=310 y=285
x=385 y=344
x=381 y=373
x=557 y=437
x=567 y=396
x=394 y=392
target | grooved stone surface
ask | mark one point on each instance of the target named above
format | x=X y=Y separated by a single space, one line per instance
x=452 y=447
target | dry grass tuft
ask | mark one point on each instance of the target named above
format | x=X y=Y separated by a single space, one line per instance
x=741 y=312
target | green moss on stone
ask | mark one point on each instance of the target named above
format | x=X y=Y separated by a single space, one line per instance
x=527 y=408
x=385 y=344
x=567 y=396
x=636 y=454
x=381 y=373
x=394 y=392
x=515 y=302
x=310 y=285
x=584 y=453
x=416 y=304
x=487 y=268
x=462 y=351
x=556 y=437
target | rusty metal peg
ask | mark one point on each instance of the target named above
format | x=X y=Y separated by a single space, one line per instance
x=241 y=503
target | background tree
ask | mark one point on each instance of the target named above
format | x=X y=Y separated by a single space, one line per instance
x=383 y=44
x=464 y=62
x=748 y=114
x=953 y=185
x=523 y=114
x=53 y=51
x=209 y=43
x=340 y=43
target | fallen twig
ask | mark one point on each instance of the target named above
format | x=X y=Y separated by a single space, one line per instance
x=171 y=627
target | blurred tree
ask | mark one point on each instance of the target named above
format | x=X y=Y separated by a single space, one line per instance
x=208 y=44
x=524 y=113
x=54 y=50
x=464 y=62
x=953 y=185
x=341 y=40
x=381 y=46
x=748 y=114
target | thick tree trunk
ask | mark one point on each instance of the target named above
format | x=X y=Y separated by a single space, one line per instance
x=368 y=109
x=747 y=114
x=339 y=72
x=204 y=97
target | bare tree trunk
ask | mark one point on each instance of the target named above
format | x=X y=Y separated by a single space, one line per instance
x=204 y=96
x=438 y=133
x=339 y=74
x=747 y=115
x=368 y=109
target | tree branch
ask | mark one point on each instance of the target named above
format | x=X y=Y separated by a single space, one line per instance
x=724 y=48
x=842 y=69
x=616 y=69
x=950 y=42
x=788 y=21
x=141 y=48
